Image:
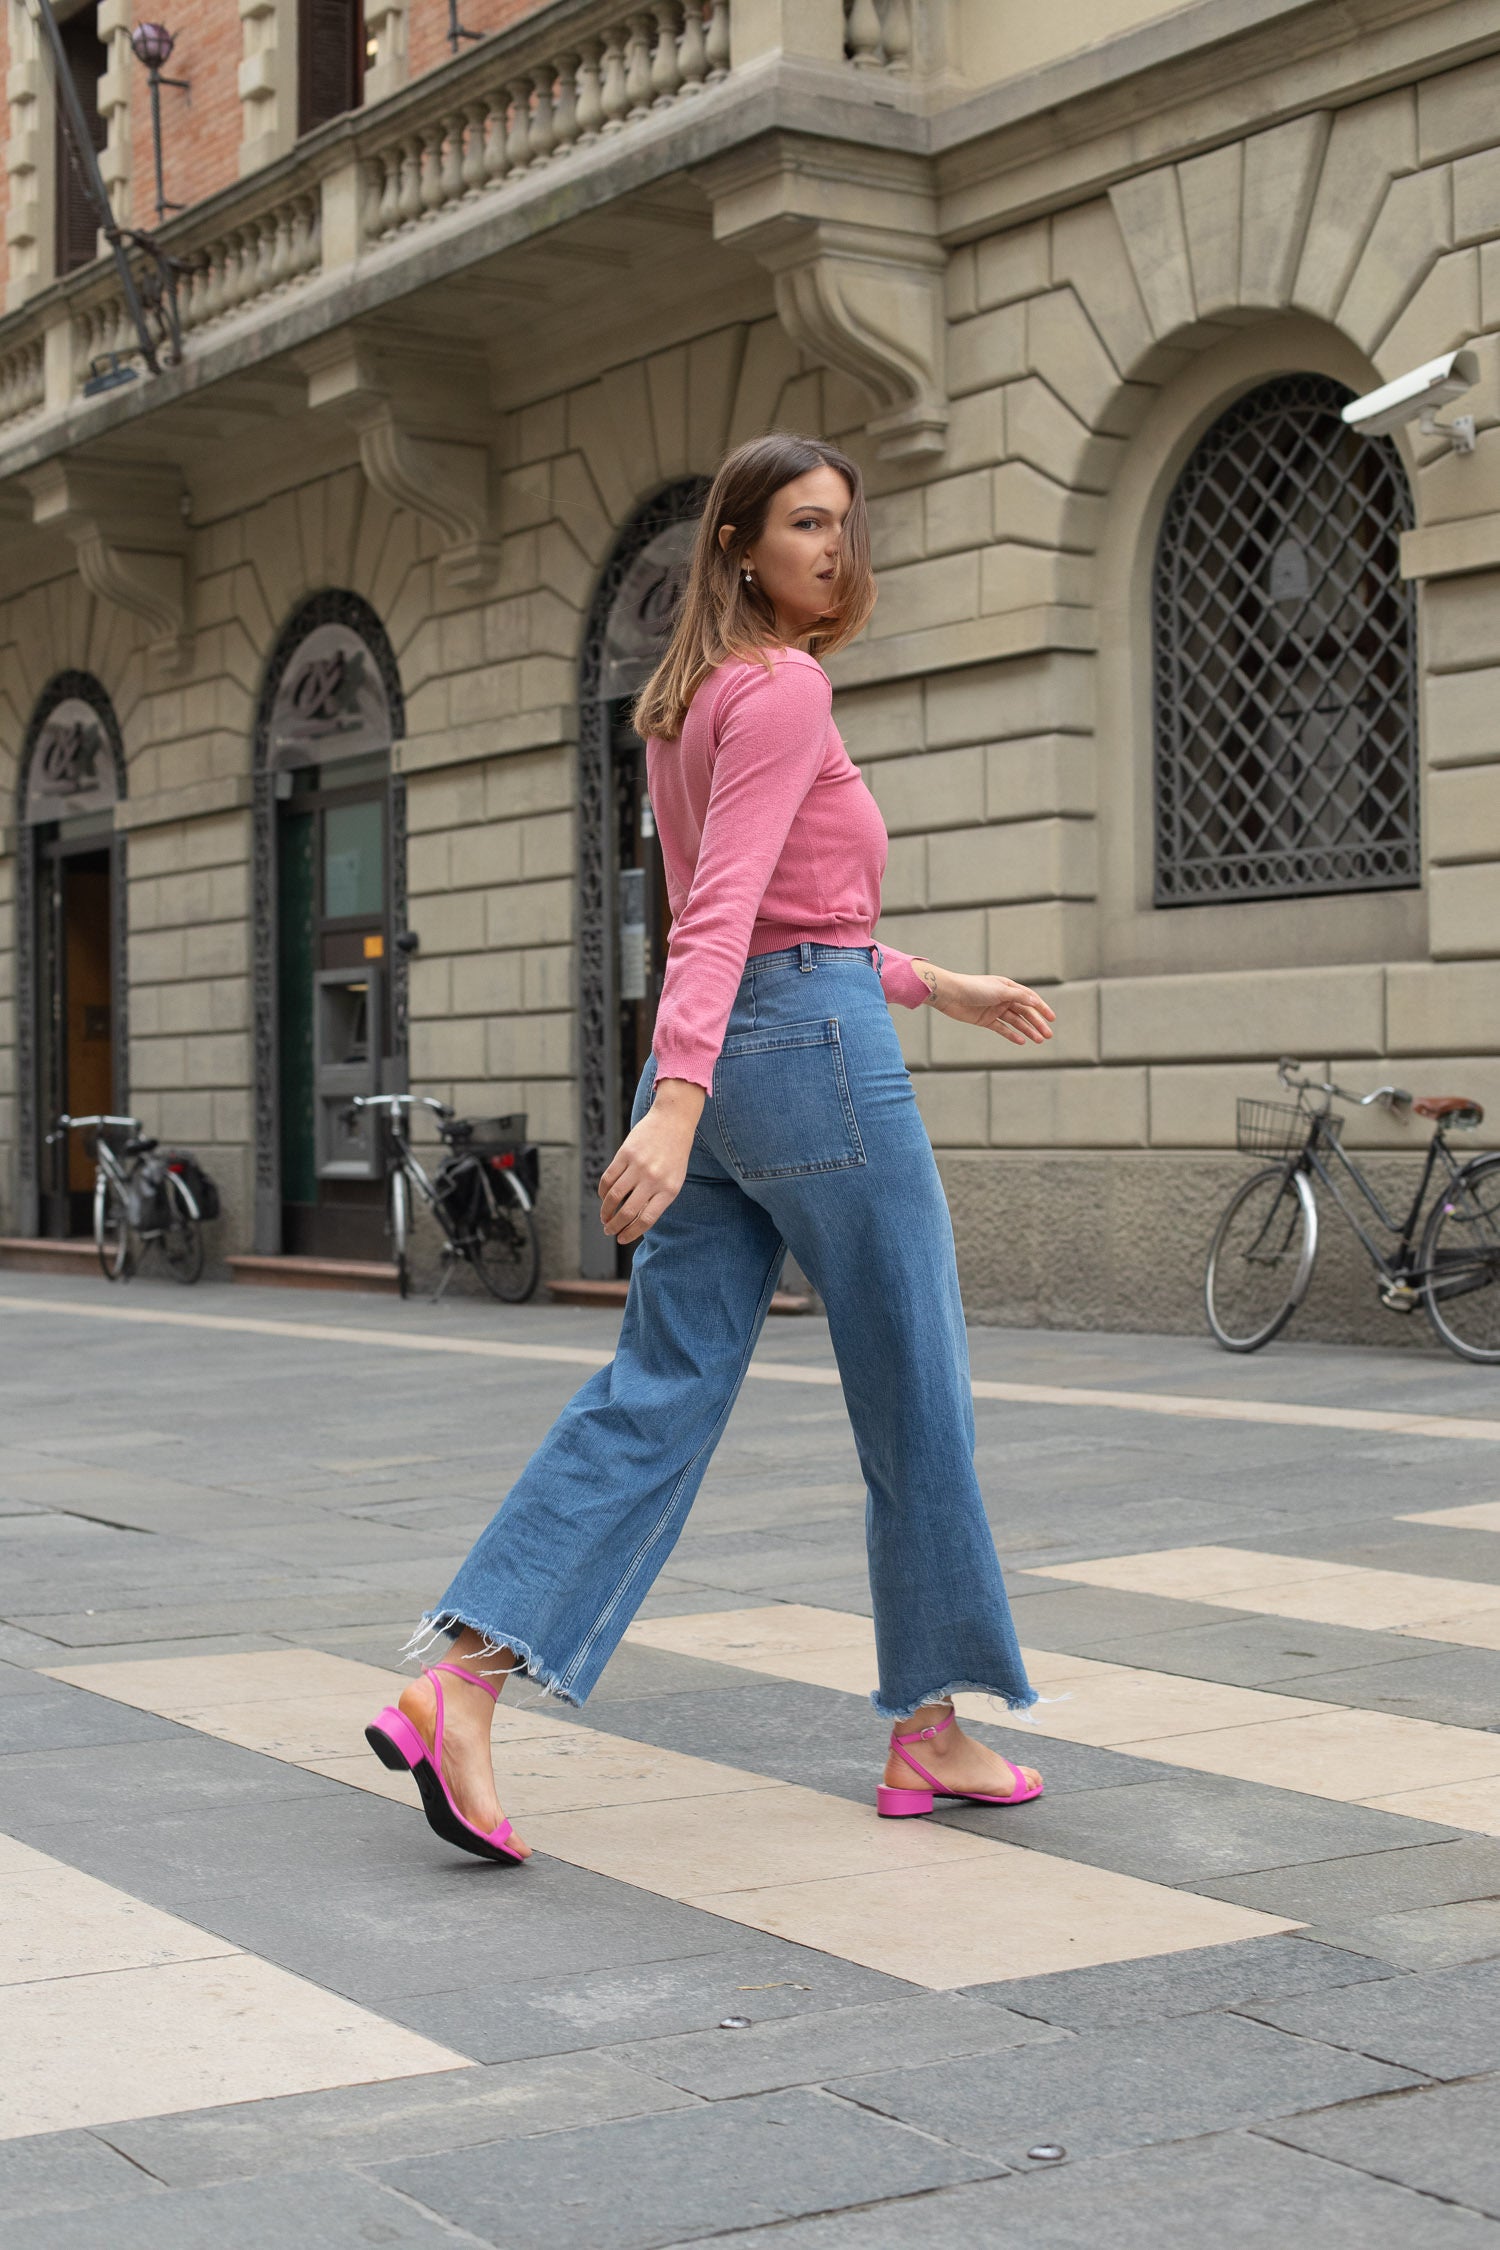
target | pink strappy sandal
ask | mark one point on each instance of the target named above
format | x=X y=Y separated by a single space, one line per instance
x=397 y=1744
x=904 y=1804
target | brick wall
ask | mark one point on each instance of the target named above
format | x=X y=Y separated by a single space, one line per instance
x=201 y=128
x=427 y=26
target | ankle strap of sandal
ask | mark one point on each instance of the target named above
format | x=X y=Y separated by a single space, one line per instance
x=475 y=1679
x=924 y=1734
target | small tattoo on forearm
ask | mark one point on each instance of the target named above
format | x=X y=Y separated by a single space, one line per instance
x=929 y=978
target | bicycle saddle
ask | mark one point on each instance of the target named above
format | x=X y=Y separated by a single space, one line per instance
x=1462 y=1110
x=140 y=1144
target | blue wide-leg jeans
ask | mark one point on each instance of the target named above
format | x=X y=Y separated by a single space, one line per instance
x=811 y=1140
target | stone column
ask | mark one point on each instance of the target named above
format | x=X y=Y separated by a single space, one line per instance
x=114 y=105
x=267 y=81
x=385 y=27
x=29 y=161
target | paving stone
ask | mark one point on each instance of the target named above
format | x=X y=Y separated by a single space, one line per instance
x=47 y=2172
x=1234 y=2191
x=188 y=1773
x=1430 y=1937
x=21 y=1679
x=404 y=2117
x=1180 y=1984
x=767 y=1979
x=1444 y=2022
x=1257 y=1651
x=65 y=1718
x=1083 y=1617
x=634 y=1673
x=1456 y=1687
x=174 y=1620
x=1430 y=1549
x=1342 y=1890
x=1107 y=2090
x=659 y=2180
x=1441 y=2140
x=314 y=2210
x=28 y=1648
x=1195 y=1825
x=804 y=2050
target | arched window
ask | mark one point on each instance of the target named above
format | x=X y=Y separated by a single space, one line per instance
x=1285 y=674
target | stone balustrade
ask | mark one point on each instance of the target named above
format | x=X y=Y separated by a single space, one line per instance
x=877 y=34
x=635 y=63
x=23 y=384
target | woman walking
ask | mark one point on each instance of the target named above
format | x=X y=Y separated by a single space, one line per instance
x=775 y=1112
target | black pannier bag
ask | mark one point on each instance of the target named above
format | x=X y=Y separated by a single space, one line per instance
x=501 y=1144
x=197 y=1182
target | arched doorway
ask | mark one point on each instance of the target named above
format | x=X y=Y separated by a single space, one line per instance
x=330 y=901
x=622 y=904
x=72 y=1044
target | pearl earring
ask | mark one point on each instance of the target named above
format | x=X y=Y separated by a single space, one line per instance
x=749 y=578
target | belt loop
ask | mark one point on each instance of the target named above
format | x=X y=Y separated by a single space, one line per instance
x=879 y=961
x=806 y=951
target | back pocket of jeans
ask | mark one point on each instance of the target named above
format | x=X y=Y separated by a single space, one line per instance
x=781 y=1098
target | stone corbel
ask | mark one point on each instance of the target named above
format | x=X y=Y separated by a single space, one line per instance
x=849 y=238
x=445 y=483
x=126 y=528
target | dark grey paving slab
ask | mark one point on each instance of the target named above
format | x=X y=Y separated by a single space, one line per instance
x=29 y=1648
x=1440 y=2140
x=1456 y=1687
x=313 y=2210
x=667 y=2179
x=405 y=2117
x=58 y=1717
x=831 y=1741
x=1233 y=2191
x=766 y=1980
x=1342 y=1890
x=48 y=2172
x=120 y=1780
x=1194 y=1826
x=21 y=1679
x=1430 y=1549
x=1444 y=2022
x=1180 y=1984
x=1430 y=1937
x=633 y=1673
x=1108 y=2090
x=181 y=1620
x=804 y=2050
x=1082 y=1617
x=1258 y=1651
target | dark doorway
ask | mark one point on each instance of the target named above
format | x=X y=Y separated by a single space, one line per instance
x=330 y=60
x=77 y=220
x=644 y=919
x=76 y=1073
x=334 y=1016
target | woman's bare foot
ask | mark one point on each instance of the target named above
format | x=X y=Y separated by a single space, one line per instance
x=952 y=1758
x=468 y=1764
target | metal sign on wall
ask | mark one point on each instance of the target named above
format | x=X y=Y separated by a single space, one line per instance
x=72 y=769
x=644 y=609
x=331 y=702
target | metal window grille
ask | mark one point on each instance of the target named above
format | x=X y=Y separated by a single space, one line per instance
x=1285 y=659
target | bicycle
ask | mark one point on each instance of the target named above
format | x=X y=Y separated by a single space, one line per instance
x=1260 y=1261
x=477 y=1196
x=141 y=1196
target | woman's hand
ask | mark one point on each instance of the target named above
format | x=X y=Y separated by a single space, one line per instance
x=993 y=1003
x=651 y=1163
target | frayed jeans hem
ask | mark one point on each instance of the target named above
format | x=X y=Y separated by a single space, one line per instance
x=447 y=1623
x=1012 y=1701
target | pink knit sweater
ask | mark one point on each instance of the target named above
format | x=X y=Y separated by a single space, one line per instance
x=769 y=836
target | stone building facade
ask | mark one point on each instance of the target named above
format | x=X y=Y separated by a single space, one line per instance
x=1182 y=699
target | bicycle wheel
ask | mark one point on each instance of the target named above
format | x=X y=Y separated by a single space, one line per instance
x=1461 y=1262
x=505 y=1253
x=400 y=1224
x=182 y=1232
x=1261 y=1259
x=112 y=1230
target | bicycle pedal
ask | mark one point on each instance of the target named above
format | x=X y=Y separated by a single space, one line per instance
x=1400 y=1297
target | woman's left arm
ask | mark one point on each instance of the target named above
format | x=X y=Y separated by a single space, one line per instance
x=993 y=1003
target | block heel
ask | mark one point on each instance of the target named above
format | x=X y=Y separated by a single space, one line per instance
x=902 y=1804
x=395 y=1741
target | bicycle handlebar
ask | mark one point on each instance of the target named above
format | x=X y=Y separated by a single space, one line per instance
x=1393 y=1098
x=67 y=1124
x=400 y=1101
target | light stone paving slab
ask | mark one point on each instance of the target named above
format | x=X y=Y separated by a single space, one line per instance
x=1294 y=1586
x=126 y=2012
x=730 y=1849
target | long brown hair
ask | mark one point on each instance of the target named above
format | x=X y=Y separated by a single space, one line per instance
x=722 y=615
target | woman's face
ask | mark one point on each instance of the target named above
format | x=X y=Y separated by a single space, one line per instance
x=796 y=558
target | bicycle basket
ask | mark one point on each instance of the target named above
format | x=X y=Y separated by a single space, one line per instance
x=1276 y=1128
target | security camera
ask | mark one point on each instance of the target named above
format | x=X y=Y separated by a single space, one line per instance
x=1416 y=398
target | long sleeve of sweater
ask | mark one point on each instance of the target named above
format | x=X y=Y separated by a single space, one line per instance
x=771 y=734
